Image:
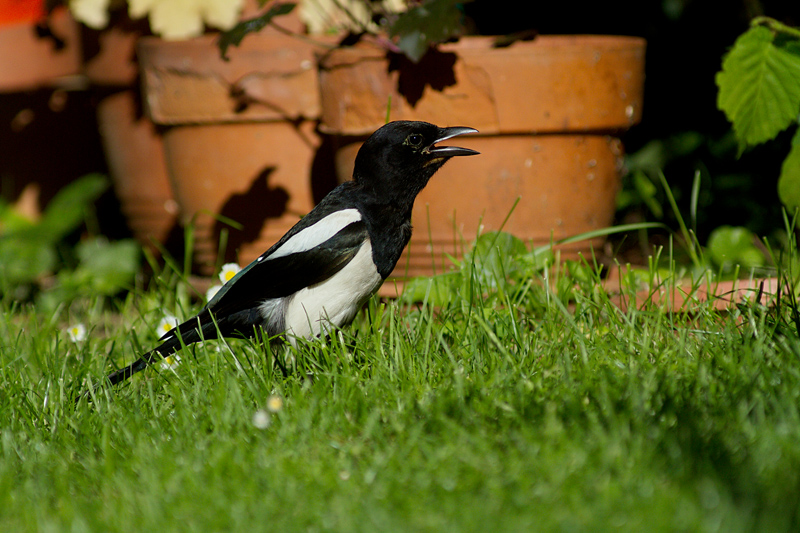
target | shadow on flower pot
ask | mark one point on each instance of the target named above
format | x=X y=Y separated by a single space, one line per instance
x=252 y=209
x=436 y=69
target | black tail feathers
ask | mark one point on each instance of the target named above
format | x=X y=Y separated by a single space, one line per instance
x=190 y=332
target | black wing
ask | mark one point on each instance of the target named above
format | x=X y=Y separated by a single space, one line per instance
x=236 y=306
x=267 y=278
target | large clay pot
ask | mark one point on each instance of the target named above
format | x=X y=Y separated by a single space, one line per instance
x=240 y=137
x=549 y=113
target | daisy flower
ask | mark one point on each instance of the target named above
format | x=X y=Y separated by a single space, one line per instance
x=77 y=333
x=166 y=325
x=261 y=419
x=274 y=403
x=228 y=271
x=171 y=362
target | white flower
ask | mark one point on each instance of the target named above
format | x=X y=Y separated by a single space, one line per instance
x=274 y=403
x=182 y=19
x=324 y=16
x=166 y=325
x=93 y=13
x=212 y=291
x=171 y=362
x=261 y=419
x=228 y=271
x=77 y=333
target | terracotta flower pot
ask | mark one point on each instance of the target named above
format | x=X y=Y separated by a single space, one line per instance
x=548 y=110
x=132 y=143
x=135 y=154
x=27 y=60
x=240 y=137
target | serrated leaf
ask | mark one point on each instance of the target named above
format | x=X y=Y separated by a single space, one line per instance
x=759 y=86
x=789 y=180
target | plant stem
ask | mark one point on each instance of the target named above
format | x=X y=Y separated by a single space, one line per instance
x=776 y=26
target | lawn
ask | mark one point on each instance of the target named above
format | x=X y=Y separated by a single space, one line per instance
x=521 y=401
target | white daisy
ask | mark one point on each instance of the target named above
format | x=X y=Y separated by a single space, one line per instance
x=228 y=271
x=171 y=362
x=166 y=325
x=77 y=333
x=261 y=419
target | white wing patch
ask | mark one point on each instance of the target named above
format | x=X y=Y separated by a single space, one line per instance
x=335 y=301
x=317 y=233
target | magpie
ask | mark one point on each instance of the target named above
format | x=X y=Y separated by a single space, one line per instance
x=320 y=274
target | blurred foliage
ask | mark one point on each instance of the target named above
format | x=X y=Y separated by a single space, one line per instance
x=501 y=268
x=33 y=251
x=730 y=246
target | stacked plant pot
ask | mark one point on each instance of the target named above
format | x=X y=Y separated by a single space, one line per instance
x=132 y=143
x=239 y=136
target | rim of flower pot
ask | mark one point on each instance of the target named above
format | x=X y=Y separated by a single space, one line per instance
x=269 y=77
x=500 y=90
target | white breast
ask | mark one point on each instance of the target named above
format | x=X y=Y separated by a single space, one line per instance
x=336 y=301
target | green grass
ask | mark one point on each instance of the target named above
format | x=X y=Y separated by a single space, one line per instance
x=522 y=407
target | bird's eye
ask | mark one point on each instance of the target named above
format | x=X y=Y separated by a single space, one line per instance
x=415 y=140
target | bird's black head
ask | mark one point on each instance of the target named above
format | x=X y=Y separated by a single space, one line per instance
x=397 y=161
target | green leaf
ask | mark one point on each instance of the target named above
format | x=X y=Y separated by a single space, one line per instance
x=23 y=260
x=436 y=290
x=107 y=267
x=734 y=245
x=759 y=86
x=426 y=24
x=789 y=180
x=12 y=221
x=67 y=209
x=234 y=36
x=648 y=192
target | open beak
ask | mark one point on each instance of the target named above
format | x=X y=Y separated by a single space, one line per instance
x=450 y=151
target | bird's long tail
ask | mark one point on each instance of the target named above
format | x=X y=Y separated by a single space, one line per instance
x=137 y=366
x=191 y=331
